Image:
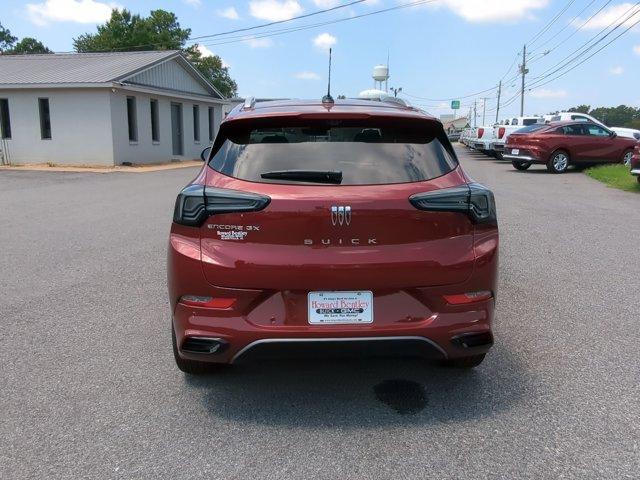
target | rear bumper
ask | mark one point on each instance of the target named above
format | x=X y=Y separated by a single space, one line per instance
x=635 y=171
x=436 y=336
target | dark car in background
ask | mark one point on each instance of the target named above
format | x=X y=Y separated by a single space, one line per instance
x=561 y=144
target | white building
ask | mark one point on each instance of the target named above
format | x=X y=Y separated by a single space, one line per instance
x=105 y=108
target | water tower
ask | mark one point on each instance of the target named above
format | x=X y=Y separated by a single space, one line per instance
x=380 y=74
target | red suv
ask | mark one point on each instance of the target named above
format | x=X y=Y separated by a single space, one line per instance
x=635 y=163
x=347 y=227
x=560 y=144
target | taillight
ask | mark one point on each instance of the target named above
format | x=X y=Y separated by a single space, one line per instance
x=207 y=302
x=480 y=132
x=474 y=200
x=195 y=203
x=501 y=131
x=469 y=297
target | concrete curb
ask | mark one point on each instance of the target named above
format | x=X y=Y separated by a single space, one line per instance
x=118 y=169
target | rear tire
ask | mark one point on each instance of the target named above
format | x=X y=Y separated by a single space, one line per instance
x=191 y=367
x=521 y=165
x=465 y=362
x=559 y=162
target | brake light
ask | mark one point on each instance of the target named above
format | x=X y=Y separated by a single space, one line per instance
x=474 y=200
x=207 y=302
x=469 y=297
x=195 y=203
x=480 y=132
x=501 y=131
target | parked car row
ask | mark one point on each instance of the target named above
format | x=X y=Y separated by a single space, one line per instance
x=556 y=141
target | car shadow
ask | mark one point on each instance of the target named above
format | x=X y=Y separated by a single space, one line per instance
x=362 y=393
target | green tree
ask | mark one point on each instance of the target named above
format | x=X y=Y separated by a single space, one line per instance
x=28 y=45
x=6 y=39
x=580 y=109
x=619 y=116
x=161 y=30
x=212 y=68
x=125 y=31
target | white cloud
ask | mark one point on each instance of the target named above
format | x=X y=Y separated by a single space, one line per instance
x=613 y=14
x=274 y=10
x=259 y=42
x=230 y=12
x=307 y=75
x=547 y=93
x=478 y=11
x=79 y=11
x=193 y=3
x=636 y=49
x=325 y=41
x=616 y=71
x=204 y=51
x=326 y=3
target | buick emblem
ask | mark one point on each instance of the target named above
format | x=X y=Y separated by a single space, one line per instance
x=340 y=215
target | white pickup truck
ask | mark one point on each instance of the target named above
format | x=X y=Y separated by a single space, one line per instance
x=573 y=116
x=483 y=139
x=506 y=127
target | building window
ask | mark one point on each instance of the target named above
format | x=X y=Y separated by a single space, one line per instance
x=196 y=123
x=5 y=120
x=131 y=119
x=45 y=118
x=155 y=121
x=211 y=124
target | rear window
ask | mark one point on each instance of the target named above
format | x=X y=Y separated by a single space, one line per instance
x=532 y=128
x=365 y=154
x=530 y=121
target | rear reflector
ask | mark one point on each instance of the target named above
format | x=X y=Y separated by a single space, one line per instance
x=480 y=132
x=469 y=297
x=207 y=302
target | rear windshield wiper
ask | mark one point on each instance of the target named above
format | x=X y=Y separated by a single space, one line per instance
x=316 y=176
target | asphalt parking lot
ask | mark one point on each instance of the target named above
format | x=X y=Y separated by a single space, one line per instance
x=90 y=389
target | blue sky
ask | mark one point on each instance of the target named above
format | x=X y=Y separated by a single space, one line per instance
x=443 y=49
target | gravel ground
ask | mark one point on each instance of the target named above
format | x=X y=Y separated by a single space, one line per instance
x=90 y=390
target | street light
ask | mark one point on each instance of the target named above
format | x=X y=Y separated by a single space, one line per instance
x=396 y=91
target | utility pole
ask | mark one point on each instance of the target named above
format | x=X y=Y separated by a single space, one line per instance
x=524 y=71
x=484 y=109
x=475 y=114
x=498 y=107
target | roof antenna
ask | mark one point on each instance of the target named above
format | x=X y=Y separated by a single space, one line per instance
x=328 y=98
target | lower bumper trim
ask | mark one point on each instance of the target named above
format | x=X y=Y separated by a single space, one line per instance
x=522 y=158
x=347 y=346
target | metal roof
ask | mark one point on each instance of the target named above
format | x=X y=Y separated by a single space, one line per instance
x=76 y=68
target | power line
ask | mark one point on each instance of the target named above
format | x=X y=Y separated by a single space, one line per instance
x=307 y=15
x=242 y=38
x=550 y=23
x=590 y=56
x=570 y=22
x=564 y=40
x=570 y=58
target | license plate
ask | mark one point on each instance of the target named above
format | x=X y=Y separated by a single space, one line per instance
x=515 y=151
x=339 y=308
